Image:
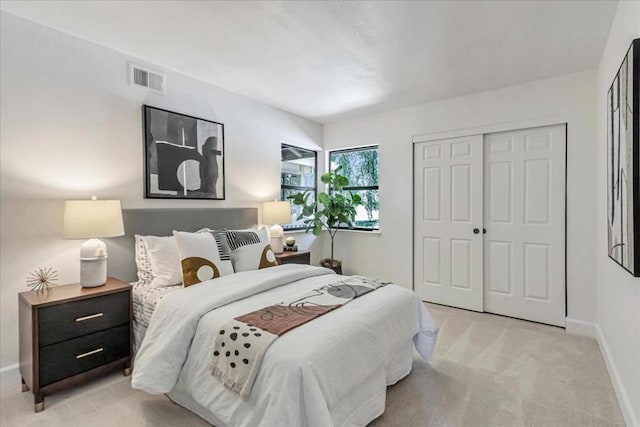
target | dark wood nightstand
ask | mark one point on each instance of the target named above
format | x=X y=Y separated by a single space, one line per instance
x=290 y=257
x=71 y=334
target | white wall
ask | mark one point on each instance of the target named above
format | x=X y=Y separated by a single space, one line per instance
x=71 y=127
x=617 y=291
x=388 y=255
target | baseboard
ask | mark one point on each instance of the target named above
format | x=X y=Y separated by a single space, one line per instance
x=582 y=328
x=9 y=376
x=623 y=399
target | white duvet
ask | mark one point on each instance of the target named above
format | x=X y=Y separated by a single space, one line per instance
x=323 y=373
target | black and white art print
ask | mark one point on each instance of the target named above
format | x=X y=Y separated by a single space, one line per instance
x=184 y=156
x=623 y=158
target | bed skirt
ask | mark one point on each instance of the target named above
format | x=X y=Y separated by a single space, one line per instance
x=365 y=404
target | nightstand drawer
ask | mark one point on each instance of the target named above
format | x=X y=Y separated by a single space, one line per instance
x=302 y=257
x=62 y=360
x=65 y=321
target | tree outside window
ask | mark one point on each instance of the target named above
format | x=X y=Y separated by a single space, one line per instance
x=360 y=166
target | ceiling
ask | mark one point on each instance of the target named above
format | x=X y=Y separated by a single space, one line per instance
x=334 y=60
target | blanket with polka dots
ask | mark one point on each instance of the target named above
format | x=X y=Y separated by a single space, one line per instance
x=241 y=343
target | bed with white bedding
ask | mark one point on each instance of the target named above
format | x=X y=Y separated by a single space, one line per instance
x=145 y=299
x=332 y=371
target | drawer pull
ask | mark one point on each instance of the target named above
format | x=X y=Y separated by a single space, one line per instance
x=89 y=353
x=93 y=316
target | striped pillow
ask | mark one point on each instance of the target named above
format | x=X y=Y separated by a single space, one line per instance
x=250 y=249
x=203 y=256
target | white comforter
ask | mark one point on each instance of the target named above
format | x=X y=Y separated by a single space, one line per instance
x=307 y=374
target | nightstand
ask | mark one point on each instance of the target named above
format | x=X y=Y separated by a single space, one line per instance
x=70 y=335
x=290 y=257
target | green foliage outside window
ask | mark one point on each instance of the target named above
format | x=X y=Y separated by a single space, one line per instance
x=360 y=166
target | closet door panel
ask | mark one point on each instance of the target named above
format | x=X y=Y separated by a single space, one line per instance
x=447 y=208
x=525 y=221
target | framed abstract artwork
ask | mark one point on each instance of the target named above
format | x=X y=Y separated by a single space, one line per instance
x=623 y=163
x=184 y=156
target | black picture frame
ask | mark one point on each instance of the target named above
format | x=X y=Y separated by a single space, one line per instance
x=623 y=163
x=184 y=156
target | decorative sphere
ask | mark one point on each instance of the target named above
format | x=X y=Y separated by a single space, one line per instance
x=290 y=241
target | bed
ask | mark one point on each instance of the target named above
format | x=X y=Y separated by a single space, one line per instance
x=145 y=300
x=332 y=371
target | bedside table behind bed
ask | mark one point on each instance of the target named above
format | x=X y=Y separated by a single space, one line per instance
x=70 y=335
x=291 y=257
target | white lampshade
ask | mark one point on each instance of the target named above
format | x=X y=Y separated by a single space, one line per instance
x=86 y=219
x=276 y=213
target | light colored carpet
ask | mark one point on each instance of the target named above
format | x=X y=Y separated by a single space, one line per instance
x=496 y=371
x=487 y=371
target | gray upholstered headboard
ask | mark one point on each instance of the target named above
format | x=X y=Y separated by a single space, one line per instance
x=162 y=222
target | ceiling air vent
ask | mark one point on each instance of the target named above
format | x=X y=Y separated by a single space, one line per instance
x=146 y=78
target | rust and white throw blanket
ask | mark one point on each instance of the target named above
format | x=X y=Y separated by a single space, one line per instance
x=242 y=342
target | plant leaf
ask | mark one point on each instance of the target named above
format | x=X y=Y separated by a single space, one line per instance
x=324 y=198
x=341 y=181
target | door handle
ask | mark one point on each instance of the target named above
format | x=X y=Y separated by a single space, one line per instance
x=484 y=231
x=476 y=231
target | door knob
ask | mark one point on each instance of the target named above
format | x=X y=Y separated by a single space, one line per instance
x=484 y=231
x=476 y=231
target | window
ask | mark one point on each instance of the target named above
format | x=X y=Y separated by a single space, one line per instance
x=297 y=175
x=360 y=166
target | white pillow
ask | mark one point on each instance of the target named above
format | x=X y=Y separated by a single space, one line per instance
x=203 y=256
x=165 y=263
x=251 y=249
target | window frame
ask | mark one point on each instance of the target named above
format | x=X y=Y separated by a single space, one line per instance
x=357 y=188
x=300 y=188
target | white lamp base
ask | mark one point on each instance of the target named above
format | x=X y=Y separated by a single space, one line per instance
x=277 y=238
x=93 y=263
x=277 y=245
x=93 y=273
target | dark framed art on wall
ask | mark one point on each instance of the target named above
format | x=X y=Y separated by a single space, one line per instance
x=184 y=156
x=623 y=163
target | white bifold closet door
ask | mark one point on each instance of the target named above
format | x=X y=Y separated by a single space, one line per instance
x=489 y=223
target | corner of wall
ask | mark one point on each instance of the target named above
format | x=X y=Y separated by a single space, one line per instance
x=581 y=328
x=9 y=376
x=623 y=398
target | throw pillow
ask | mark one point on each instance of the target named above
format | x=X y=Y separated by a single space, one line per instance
x=203 y=256
x=250 y=250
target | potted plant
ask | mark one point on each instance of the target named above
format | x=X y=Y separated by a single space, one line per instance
x=330 y=211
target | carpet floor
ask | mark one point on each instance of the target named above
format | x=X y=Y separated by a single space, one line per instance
x=487 y=371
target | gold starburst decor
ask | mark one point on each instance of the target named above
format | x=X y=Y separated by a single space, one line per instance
x=42 y=279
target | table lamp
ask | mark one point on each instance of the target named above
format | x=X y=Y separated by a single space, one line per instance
x=276 y=213
x=91 y=219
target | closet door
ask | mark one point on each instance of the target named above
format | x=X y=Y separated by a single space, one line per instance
x=524 y=213
x=448 y=221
